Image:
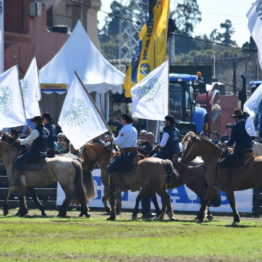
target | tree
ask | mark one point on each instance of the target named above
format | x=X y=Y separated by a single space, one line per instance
x=225 y=35
x=186 y=16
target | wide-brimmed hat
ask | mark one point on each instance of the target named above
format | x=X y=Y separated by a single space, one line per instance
x=238 y=113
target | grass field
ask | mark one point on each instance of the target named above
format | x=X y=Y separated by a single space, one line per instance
x=95 y=239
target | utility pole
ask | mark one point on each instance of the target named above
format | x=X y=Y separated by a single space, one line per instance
x=235 y=77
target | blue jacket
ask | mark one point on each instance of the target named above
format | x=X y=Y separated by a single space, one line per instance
x=240 y=137
x=51 y=139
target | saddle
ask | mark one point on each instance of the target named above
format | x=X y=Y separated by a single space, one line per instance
x=134 y=163
x=35 y=165
x=244 y=161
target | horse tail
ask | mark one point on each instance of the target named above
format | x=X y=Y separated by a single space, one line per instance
x=89 y=184
x=80 y=194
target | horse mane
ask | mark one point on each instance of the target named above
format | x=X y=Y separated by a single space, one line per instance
x=11 y=141
x=188 y=136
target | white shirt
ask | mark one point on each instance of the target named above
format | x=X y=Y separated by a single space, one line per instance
x=30 y=139
x=164 y=140
x=127 y=137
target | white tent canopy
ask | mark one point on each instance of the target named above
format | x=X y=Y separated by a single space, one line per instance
x=80 y=54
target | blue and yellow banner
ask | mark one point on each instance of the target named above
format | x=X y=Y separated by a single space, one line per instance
x=151 y=51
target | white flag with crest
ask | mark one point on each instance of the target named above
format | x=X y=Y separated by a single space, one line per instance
x=150 y=96
x=79 y=119
x=255 y=26
x=12 y=112
x=31 y=91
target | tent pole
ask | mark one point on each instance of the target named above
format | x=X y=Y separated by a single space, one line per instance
x=92 y=100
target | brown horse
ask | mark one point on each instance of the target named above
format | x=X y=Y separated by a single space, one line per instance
x=149 y=173
x=245 y=177
x=66 y=171
x=95 y=154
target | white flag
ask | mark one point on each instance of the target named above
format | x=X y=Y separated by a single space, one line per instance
x=255 y=26
x=12 y=112
x=1 y=36
x=31 y=91
x=150 y=96
x=79 y=119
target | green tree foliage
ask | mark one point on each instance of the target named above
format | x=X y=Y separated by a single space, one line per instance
x=224 y=36
x=186 y=16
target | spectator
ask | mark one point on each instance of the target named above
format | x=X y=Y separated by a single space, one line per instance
x=114 y=123
x=61 y=145
x=226 y=136
x=146 y=146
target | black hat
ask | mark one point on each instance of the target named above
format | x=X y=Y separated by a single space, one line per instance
x=238 y=113
x=47 y=116
x=170 y=118
x=128 y=118
x=37 y=119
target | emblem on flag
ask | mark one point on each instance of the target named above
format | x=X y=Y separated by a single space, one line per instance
x=6 y=98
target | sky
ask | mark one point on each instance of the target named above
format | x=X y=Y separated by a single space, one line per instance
x=213 y=13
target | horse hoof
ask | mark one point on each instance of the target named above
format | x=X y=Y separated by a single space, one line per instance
x=210 y=218
x=23 y=213
x=235 y=224
x=87 y=215
x=108 y=211
x=134 y=217
x=5 y=212
x=199 y=221
x=44 y=214
x=159 y=218
x=111 y=219
x=172 y=218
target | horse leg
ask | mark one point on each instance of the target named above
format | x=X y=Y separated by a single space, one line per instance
x=209 y=215
x=170 y=212
x=164 y=205
x=84 y=209
x=64 y=207
x=209 y=196
x=154 y=199
x=23 y=207
x=104 y=200
x=5 y=205
x=232 y=202
x=39 y=205
x=112 y=200
x=138 y=199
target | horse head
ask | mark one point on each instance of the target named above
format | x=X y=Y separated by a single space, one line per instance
x=191 y=147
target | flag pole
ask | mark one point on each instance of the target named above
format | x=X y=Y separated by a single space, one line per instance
x=94 y=104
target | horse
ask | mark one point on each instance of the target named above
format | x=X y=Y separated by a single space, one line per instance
x=66 y=171
x=96 y=154
x=147 y=173
x=239 y=178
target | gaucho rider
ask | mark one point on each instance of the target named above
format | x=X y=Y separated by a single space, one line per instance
x=241 y=139
x=38 y=140
x=169 y=145
x=127 y=141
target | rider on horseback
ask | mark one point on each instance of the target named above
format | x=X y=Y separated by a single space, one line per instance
x=169 y=145
x=241 y=139
x=38 y=140
x=127 y=141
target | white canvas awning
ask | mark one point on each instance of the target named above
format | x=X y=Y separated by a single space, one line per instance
x=80 y=54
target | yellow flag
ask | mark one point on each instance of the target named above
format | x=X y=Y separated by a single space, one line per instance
x=151 y=51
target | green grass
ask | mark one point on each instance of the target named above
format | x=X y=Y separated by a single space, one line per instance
x=95 y=239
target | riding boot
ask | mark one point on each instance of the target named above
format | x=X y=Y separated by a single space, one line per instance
x=119 y=182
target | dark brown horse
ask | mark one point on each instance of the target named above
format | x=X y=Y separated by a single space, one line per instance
x=148 y=173
x=245 y=177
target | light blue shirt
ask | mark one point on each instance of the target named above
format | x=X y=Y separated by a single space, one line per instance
x=127 y=137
